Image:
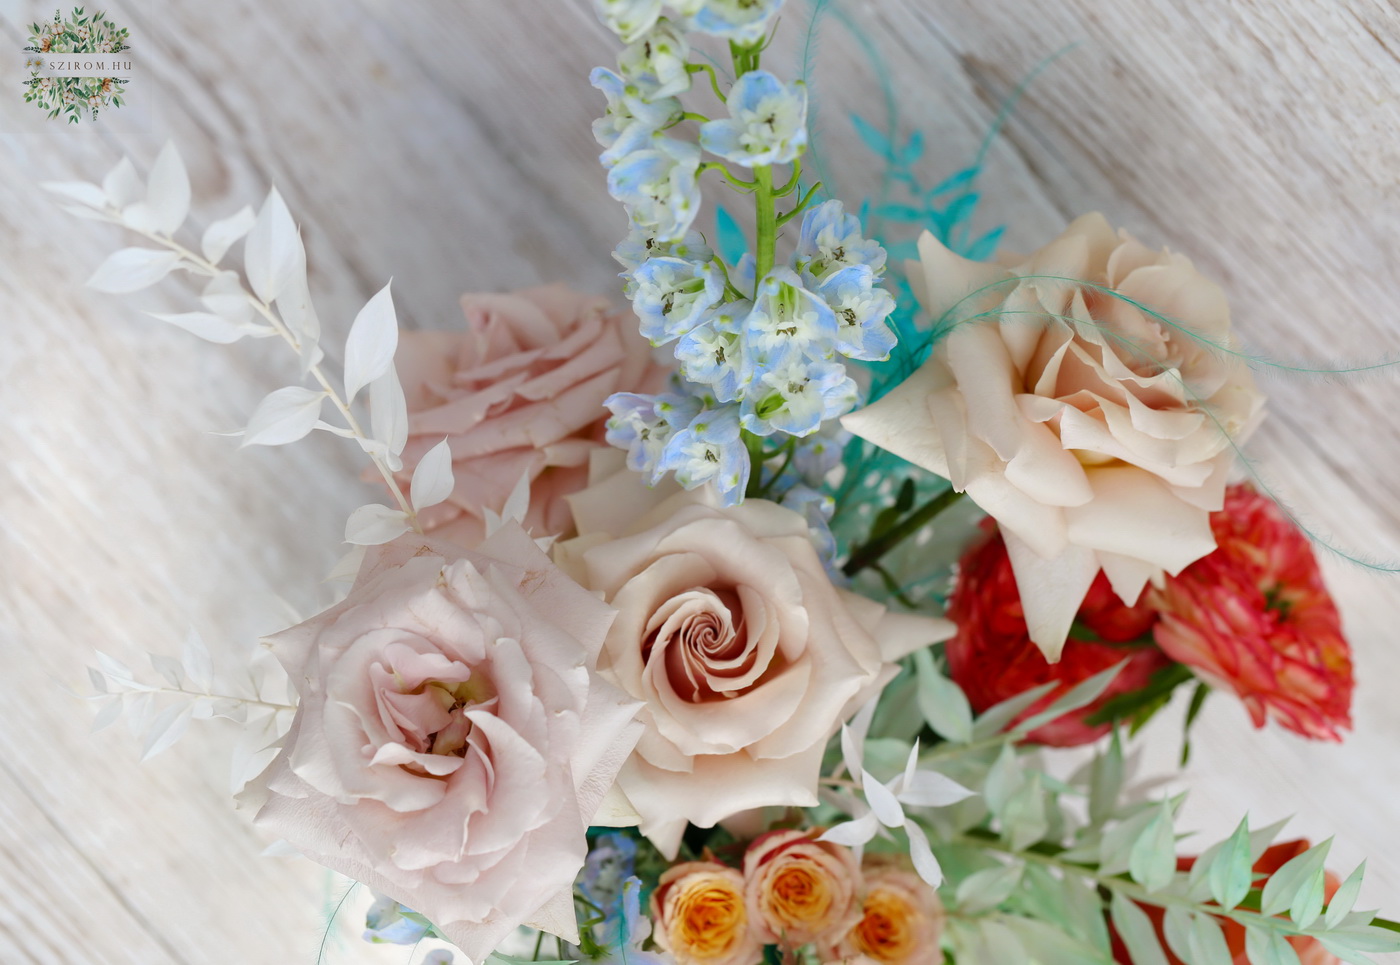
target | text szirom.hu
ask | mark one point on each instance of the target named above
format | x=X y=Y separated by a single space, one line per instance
x=87 y=65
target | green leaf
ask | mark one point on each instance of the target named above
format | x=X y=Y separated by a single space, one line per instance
x=1004 y=779
x=1298 y=886
x=873 y=139
x=1136 y=930
x=1341 y=904
x=988 y=888
x=942 y=702
x=1265 y=946
x=1051 y=946
x=1106 y=781
x=996 y=717
x=1230 y=872
x=1024 y=820
x=1152 y=859
x=1176 y=926
x=1080 y=695
x=1198 y=700
x=1260 y=840
x=1207 y=942
x=1137 y=706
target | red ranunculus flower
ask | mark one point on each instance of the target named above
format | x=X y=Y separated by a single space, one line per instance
x=992 y=657
x=1255 y=617
x=1310 y=950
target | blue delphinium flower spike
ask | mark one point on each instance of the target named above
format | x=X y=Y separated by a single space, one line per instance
x=709 y=450
x=655 y=63
x=386 y=923
x=797 y=396
x=660 y=186
x=861 y=309
x=712 y=353
x=831 y=239
x=609 y=864
x=644 y=424
x=787 y=321
x=742 y=21
x=626 y=929
x=817 y=508
x=767 y=122
x=629 y=122
x=629 y=19
x=672 y=296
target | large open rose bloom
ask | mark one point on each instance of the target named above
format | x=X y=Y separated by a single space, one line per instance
x=1310 y=951
x=452 y=742
x=1098 y=436
x=746 y=657
x=1254 y=617
x=992 y=658
x=519 y=393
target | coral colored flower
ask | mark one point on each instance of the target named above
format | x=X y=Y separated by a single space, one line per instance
x=799 y=890
x=1097 y=433
x=901 y=919
x=993 y=658
x=519 y=393
x=1310 y=950
x=1256 y=618
x=698 y=915
x=452 y=742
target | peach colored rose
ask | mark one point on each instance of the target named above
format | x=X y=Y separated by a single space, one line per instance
x=698 y=915
x=901 y=919
x=520 y=392
x=452 y=741
x=1255 y=617
x=1097 y=435
x=745 y=655
x=799 y=890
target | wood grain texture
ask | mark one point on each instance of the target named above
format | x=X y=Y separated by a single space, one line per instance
x=447 y=145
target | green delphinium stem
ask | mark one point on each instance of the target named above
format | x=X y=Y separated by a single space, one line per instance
x=871 y=552
x=757 y=457
x=765 y=244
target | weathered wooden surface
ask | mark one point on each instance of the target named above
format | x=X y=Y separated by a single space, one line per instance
x=447 y=145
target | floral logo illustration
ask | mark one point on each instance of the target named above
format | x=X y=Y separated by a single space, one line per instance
x=79 y=34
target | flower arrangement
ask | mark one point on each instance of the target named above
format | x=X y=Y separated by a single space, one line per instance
x=649 y=654
x=81 y=33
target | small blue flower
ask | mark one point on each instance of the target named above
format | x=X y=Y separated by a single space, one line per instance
x=787 y=322
x=660 y=186
x=861 y=309
x=831 y=239
x=816 y=508
x=797 y=397
x=386 y=923
x=742 y=21
x=640 y=245
x=609 y=864
x=629 y=19
x=629 y=122
x=767 y=122
x=815 y=456
x=709 y=450
x=656 y=62
x=640 y=426
x=672 y=296
x=712 y=354
x=626 y=929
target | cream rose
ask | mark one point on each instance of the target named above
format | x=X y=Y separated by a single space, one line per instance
x=799 y=890
x=1098 y=435
x=519 y=393
x=698 y=915
x=746 y=657
x=452 y=741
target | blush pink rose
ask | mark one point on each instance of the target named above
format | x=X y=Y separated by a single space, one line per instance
x=746 y=657
x=900 y=919
x=519 y=393
x=799 y=890
x=699 y=916
x=452 y=741
x=1098 y=434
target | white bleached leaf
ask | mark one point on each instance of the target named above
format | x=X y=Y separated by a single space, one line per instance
x=299 y=314
x=212 y=328
x=942 y=702
x=198 y=662
x=432 y=477
x=882 y=801
x=284 y=416
x=140 y=709
x=1136 y=930
x=220 y=236
x=388 y=414
x=111 y=710
x=929 y=789
x=168 y=191
x=347 y=567
x=79 y=211
x=374 y=524
x=374 y=337
x=273 y=254
x=853 y=739
x=168 y=668
x=98 y=680
x=132 y=269
x=226 y=297
x=114 y=669
x=853 y=834
x=122 y=185
x=168 y=727
x=141 y=217
x=83 y=192
x=922 y=855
